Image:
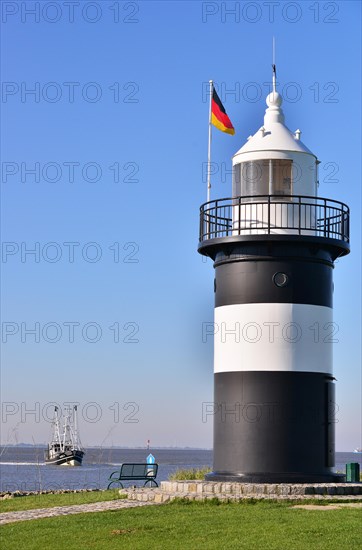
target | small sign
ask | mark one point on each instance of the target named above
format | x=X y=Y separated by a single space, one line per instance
x=150 y=459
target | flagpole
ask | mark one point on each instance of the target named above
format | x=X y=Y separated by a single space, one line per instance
x=209 y=145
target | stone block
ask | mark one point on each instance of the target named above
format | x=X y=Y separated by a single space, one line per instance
x=259 y=489
x=247 y=488
x=217 y=486
x=284 y=489
x=237 y=488
x=271 y=488
x=296 y=490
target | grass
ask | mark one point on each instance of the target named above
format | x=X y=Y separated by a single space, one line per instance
x=180 y=475
x=49 y=501
x=246 y=525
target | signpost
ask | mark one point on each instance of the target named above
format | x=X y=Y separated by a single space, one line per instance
x=150 y=460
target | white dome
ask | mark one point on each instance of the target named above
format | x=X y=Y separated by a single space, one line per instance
x=274 y=135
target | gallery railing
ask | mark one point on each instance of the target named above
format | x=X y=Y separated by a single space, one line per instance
x=273 y=214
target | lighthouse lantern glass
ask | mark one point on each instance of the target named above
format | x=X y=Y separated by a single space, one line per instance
x=281 y=177
x=262 y=177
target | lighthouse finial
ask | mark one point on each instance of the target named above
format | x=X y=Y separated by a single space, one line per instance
x=274 y=100
x=274 y=67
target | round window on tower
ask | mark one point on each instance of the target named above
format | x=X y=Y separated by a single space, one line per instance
x=280 y=279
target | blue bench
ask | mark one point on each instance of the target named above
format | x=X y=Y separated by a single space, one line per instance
x=134 y=472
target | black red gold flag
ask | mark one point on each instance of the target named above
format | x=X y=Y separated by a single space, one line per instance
x=219 y=118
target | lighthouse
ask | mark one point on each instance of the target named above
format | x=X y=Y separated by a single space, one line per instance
x=274 y=243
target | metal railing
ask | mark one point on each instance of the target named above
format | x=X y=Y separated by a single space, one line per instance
x=273 y=214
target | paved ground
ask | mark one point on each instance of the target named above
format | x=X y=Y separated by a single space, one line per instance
x=24 y=515
x=333 y=506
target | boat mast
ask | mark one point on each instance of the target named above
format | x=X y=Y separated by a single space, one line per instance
x=56 y=433
x=66 y=438
x=75 y=442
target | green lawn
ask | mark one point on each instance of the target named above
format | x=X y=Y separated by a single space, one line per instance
x=261 y=525
x=48 y=501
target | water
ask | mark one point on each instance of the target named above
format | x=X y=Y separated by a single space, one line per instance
x=23 y=468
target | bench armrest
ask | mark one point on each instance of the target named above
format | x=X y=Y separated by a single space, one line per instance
x=116 y=472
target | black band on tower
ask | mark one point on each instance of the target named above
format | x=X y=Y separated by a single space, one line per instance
x=273 y=426
x=274 y=281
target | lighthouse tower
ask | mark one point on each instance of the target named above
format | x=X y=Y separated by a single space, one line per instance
x=274 y=243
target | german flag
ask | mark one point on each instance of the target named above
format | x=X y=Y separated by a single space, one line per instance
x=219 y=117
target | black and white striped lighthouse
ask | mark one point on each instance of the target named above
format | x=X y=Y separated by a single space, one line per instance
x=274 y=243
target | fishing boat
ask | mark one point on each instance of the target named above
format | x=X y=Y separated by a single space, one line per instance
x=65 y=448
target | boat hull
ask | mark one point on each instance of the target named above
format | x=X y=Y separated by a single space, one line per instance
x=71 y=458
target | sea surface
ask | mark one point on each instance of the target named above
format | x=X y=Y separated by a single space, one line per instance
x=23 y=468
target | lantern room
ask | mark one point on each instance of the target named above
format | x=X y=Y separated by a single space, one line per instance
x=274 y=161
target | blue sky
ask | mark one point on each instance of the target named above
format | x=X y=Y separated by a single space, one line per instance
x=116 y=132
